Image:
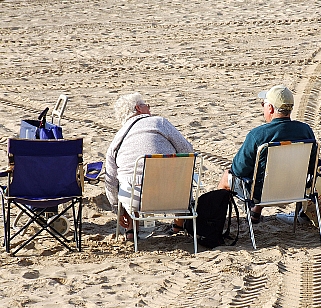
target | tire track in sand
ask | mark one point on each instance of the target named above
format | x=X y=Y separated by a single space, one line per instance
x=76 y=118
x=301 y=285
x=308 y=94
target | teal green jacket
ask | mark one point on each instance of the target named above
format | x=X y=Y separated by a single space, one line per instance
x=279 y=129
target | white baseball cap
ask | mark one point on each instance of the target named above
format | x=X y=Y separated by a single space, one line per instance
x=279 y=96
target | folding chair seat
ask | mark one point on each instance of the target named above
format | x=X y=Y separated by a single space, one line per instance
x=167 y=190
x=287 y=177
x=44 y=182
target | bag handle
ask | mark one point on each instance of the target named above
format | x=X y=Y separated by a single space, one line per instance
x=231 y=204
x=42 y=118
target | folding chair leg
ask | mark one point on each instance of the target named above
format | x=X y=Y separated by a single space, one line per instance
x=298 y=207
x=77 y=224
x=6 y=226
x=37 y=218
x=135 y=234
x=318 y=212
x=195 y=236
x=44 y=227
x=118 y=220
x=248 y=215
x=80 y=225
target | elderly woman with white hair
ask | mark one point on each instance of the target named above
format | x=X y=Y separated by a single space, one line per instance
x=140 y=134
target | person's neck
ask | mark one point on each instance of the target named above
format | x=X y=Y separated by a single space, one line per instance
x=139 y=113
x=277 y=116
x=280 y=116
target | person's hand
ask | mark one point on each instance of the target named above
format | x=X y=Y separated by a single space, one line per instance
x=123 y=221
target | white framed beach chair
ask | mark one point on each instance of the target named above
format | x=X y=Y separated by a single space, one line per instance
x=167 y=189
x=59 y=109
x=286 y=177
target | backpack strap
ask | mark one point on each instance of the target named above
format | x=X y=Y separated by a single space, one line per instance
x=232 y=204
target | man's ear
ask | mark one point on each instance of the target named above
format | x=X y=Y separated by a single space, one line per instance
x=271 y=109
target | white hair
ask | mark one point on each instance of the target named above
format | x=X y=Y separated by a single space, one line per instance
x=124 y=107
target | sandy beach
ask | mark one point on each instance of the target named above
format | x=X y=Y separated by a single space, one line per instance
x=201 y=65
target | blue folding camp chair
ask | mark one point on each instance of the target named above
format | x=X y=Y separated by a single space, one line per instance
x=42 y=175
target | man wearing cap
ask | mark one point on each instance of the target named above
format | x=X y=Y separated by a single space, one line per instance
x=277 y=106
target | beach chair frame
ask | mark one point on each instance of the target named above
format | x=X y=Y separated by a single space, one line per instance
x=286 y=178
x=167 y=189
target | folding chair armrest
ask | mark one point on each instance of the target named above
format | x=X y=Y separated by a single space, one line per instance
x=5 y=173
x=313 y=195
x=195 y=180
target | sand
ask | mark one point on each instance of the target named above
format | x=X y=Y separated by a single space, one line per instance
x=200 y=64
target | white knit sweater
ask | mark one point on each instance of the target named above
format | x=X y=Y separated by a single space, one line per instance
x=150 y=135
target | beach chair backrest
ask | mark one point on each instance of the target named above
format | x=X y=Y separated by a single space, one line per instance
x=59 y=109
x=285 y=176
x=167 y=182
x=45 y=168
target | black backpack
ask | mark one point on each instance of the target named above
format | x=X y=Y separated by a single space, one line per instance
x=212 y=209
